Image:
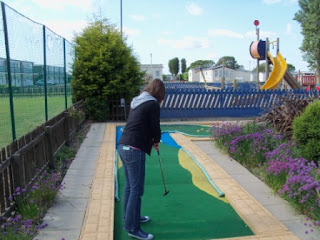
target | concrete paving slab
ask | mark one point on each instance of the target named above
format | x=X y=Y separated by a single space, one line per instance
x=65 y=204
x=61 y=220
x=246 y=178
x=270 y=199
x=283 y=212
x=306 y=232
x=65 y=218
x=63 y=234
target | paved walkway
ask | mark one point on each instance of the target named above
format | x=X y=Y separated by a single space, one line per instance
x=84 y=209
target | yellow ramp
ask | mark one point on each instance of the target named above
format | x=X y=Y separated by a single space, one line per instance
x=279 y=69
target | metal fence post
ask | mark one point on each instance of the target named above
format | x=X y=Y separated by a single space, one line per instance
x=6 y=39
x=45 y=73
x=67 y=128
x=65 y=73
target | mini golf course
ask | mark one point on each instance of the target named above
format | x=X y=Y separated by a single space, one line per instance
x=193 y=208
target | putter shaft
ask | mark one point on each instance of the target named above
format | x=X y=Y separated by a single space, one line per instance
x=164 y=184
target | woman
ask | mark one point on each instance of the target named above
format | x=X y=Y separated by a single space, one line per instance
x=141 y=133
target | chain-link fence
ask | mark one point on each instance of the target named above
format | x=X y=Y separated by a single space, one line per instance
x=35 y=74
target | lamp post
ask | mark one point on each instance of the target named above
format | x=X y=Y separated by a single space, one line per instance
x=121 y=17
x=256 y=23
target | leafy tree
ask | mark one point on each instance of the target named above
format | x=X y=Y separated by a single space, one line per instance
x=201 y=63
x=104 y=68
x=262 y=68
x=183 y=65
x=185 y=76
x=290 y=67
x=174 y=66
x=309 y=17
x=229 y=61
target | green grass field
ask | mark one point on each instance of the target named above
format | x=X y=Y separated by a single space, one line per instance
x=29 y=113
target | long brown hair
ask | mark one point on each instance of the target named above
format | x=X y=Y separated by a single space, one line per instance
x=156 y=89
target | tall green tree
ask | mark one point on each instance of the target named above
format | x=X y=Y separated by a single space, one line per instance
x=201 y=63
x=104 y=68
x=183 y=65
x=229 y=61
x=309 y=18
x=290 y=67
x=174 y=66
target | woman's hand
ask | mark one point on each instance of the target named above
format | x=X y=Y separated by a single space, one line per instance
x=156 y=146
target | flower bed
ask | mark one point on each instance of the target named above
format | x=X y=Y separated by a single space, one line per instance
x=275 y=160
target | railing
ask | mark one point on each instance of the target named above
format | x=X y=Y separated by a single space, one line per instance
x=197 y=103
x=200 y=103
x=21 y=161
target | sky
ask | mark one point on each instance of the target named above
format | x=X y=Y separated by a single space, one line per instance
x=160 y=30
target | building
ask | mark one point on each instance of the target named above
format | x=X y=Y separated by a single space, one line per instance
x=152 y=71
x=21 y=72
x=305 y=78
x=215 y=74
x=24 y=73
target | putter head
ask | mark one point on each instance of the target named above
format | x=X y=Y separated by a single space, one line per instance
x=166 y=192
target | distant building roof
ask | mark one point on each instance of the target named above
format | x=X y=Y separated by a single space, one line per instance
x=151 y=65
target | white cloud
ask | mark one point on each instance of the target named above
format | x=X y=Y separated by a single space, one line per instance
x=271 y=1
x=131 y=32
x=194 y=9
x=137 y=17
x=289 y=28
x=225 y=33
x=66 y=29
x=60 y=5
x=188 y=42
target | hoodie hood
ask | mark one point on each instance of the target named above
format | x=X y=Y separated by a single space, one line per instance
x=142 y=98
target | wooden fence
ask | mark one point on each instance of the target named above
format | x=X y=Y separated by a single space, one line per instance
x=118 y=112
x=22 y=160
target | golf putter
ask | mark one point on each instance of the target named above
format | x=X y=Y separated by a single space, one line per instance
x=164 y=184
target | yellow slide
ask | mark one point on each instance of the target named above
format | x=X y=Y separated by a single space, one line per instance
x=279 y=69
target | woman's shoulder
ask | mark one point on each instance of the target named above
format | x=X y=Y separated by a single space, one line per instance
x=152 y=104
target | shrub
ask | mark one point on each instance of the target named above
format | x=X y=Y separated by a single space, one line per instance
x=282 y=115
x=306 y=132
x=96 y=108
x=104 y=67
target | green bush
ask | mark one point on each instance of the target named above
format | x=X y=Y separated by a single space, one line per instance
x=96 y=108
x=105 y=67
x=306 y=132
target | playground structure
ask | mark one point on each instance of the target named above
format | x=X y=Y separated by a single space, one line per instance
x=205 y=82
x=260 y=50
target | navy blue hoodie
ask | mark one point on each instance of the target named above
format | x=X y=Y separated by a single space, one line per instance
x=143 y=125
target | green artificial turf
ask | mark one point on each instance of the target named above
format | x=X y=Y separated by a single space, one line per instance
x=188 y=129
x=186 y=212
